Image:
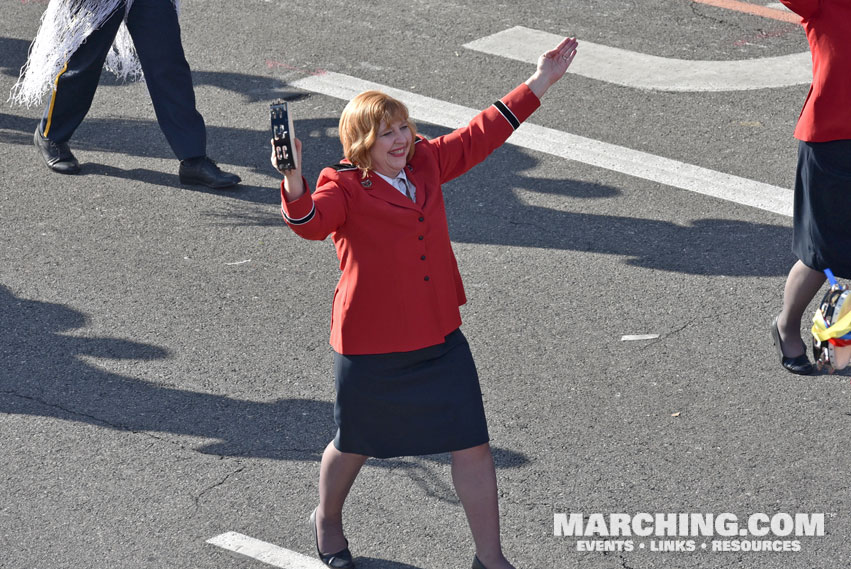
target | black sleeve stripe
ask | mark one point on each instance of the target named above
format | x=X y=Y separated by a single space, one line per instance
x=302 y=220
x=506 y=112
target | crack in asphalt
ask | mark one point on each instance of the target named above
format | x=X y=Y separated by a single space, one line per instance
x=198 y=497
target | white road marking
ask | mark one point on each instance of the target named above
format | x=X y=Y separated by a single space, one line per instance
x=572 y=147
x=266 y=552
x=633 y=69
x=635 y=337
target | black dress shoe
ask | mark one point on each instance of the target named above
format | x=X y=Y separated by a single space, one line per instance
x=477 y=564
x=56 y=155
x=340 y=560
x=203 y=171
x=799 y=364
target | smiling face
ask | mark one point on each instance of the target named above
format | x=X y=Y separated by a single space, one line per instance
x=389 y=152
x=377 y=133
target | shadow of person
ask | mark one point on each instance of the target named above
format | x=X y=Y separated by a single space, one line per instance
x=13 y=55
x=242 y=192
x=45 y=373
x=252 y=88
x=703 y=247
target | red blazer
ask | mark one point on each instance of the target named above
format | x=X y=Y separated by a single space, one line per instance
x=400 y=289
x=826 y=114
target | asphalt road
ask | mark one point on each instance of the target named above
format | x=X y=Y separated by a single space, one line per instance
x=165 y=374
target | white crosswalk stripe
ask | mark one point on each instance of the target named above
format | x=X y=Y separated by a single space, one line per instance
x=268 y=553
x=643 y=71
x=572 y=147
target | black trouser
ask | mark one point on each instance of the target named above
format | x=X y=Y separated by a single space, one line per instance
x=155 y=31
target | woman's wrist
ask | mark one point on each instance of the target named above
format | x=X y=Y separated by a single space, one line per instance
x=293 y=187
x=538 y=84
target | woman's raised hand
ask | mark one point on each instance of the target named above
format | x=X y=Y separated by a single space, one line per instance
x=552 y=65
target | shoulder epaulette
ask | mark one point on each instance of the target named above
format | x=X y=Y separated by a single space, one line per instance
x=343 y=167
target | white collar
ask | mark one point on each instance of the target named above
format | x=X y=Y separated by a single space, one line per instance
x=398 y=181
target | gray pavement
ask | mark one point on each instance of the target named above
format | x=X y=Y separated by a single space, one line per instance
x=165 y=374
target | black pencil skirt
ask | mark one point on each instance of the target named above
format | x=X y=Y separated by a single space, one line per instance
x=821 y=237
x=425 y=401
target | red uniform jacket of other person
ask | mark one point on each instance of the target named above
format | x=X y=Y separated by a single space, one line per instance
x=826 y=114
x=400 y=288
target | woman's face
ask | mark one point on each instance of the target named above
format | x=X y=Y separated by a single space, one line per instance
x=390 y=150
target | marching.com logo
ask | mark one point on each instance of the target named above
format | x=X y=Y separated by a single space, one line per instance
x=688 y=531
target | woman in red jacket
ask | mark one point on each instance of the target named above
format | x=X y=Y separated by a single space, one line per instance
x=406 y=380
x=821 y=236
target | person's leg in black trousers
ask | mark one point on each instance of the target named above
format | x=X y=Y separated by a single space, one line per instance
x=72 y=96
x=154 y=27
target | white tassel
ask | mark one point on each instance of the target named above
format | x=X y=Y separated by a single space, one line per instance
x=122 y=59
x=61 y=33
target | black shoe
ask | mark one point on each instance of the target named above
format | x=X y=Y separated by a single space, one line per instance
x=477 y=564
x=799 y=364
x=340 y=560
x=56 y=155
x=203 y=171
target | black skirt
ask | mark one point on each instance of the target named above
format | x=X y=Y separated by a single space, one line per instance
x=425 y=401
x=821 y=237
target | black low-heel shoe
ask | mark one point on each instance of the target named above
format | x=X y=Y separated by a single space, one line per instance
x=57 y=155
x=204 y=172
x=477 y=564
x=799 y=364
x=340 y=560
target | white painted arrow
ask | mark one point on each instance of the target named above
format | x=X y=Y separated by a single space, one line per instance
x=633 y=69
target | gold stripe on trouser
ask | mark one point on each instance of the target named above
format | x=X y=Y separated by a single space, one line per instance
x=53 y=101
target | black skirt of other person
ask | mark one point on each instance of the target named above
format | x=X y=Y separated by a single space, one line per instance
x=821 y=237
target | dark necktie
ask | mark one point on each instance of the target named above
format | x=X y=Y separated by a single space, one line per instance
x=407 y=188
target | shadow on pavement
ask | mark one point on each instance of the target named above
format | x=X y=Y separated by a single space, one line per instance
x=44 y=373
x=13 y=55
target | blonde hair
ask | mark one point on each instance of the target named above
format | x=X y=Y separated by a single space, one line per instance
x=361 y=120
